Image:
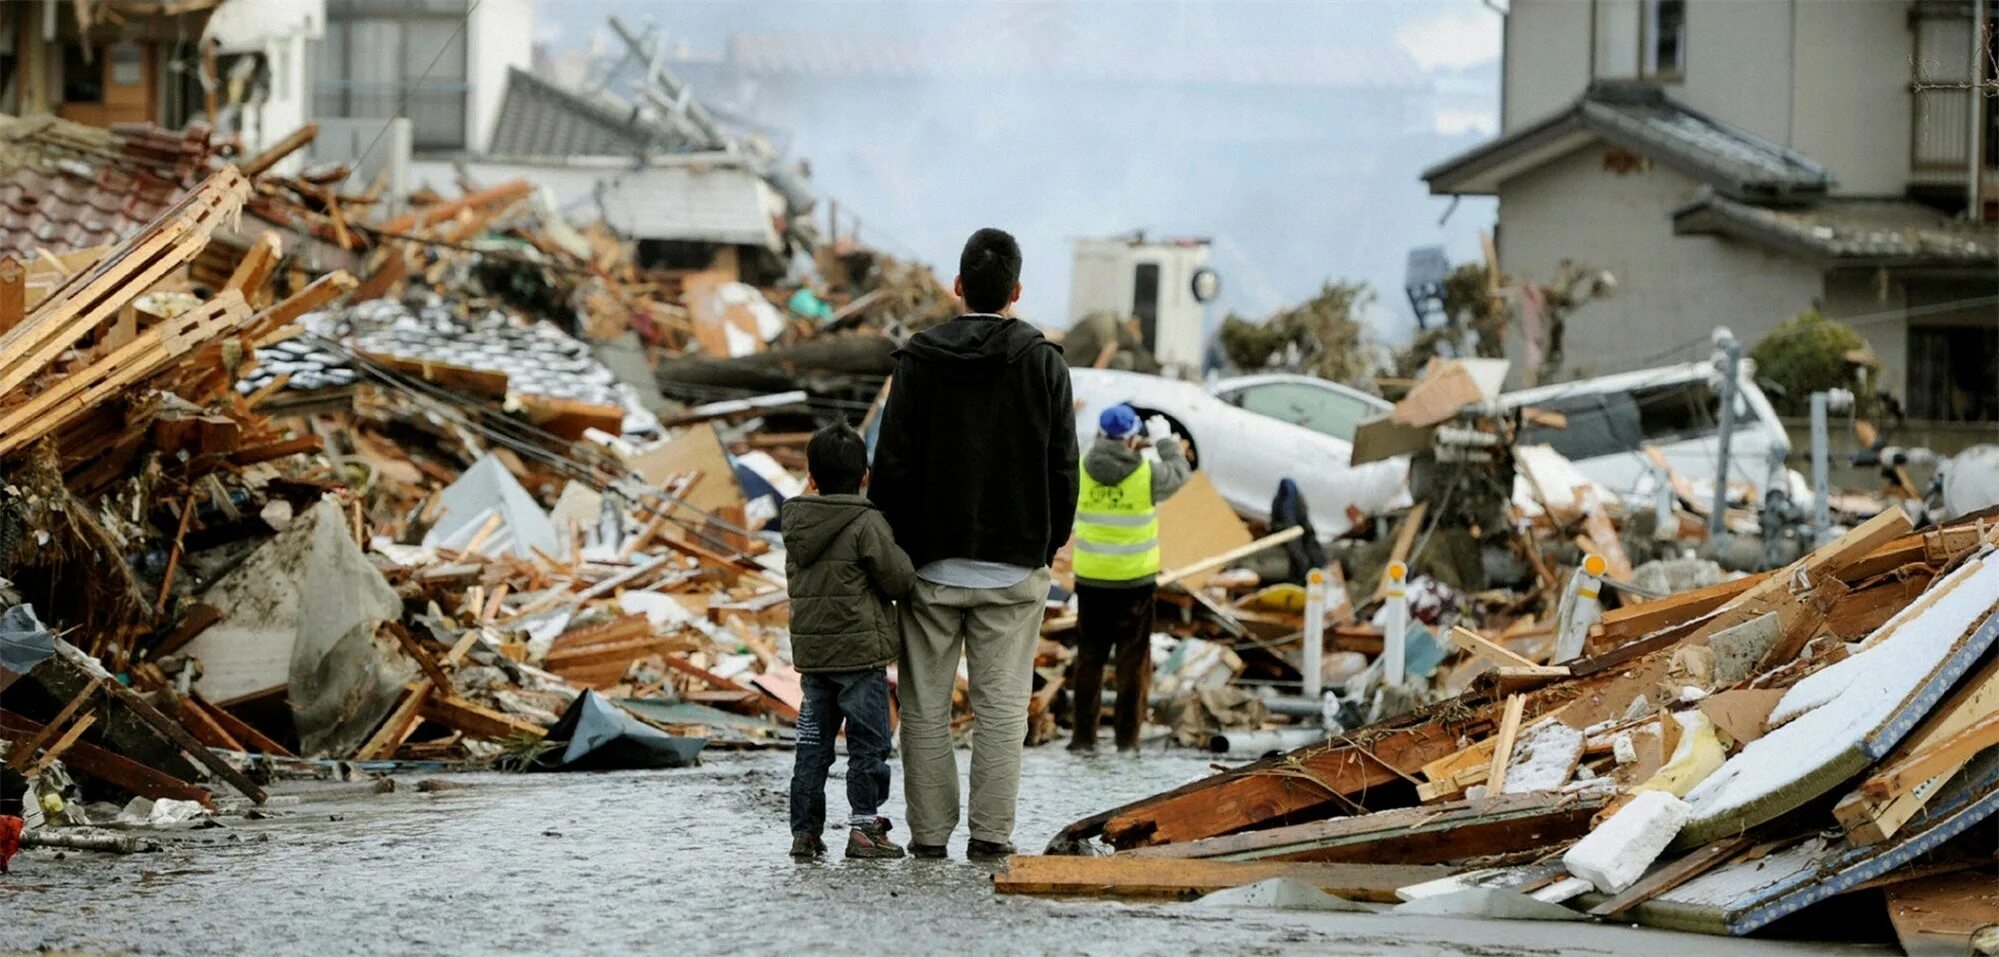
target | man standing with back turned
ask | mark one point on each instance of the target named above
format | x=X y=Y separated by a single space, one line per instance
x=975 y=470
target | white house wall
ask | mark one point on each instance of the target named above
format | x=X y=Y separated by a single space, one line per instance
x=500 y=37
x=1547 y=59
x=1828 y=78
x=1670 y=289
x=1852 y=92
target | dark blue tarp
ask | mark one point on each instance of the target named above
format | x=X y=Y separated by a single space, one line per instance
x=596 y=735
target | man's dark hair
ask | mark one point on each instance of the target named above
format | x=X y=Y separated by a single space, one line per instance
x=989 y=267
x=837 y=457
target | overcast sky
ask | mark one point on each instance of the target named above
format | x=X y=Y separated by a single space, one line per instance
x=1282 y=223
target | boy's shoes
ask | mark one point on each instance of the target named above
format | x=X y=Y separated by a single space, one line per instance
x=805 y=846
x=929 y=852
x=871 y=840
x=979 y=850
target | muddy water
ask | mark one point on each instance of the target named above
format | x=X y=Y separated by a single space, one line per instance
x=688 y=862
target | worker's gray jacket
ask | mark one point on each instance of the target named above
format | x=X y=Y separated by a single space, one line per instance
x=1110 y=461
x=842 y=568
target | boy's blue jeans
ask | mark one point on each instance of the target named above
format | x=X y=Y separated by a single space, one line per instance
x=860 y=700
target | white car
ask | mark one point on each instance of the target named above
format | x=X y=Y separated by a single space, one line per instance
x=1675 y=409
x=1250 y=432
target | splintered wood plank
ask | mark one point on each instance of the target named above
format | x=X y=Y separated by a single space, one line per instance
x=94 y=296
x=1122 y=876
x=1502 y=744
x=69 y=737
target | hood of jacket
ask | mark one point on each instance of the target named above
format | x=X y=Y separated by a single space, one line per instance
x=812 y=522
x=1110 y=461
x=975 y=344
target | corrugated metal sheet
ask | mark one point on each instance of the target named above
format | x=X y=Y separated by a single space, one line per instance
x=700 y=197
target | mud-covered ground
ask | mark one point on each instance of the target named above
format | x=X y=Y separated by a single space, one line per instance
x=689 y=862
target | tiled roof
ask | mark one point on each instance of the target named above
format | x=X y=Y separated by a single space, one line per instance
x=1643 y=119
x=65 y=186
x=539 y=118
x=1849 y=232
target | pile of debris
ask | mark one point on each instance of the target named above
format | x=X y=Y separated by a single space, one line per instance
x=278 y=521
x=1719 y=760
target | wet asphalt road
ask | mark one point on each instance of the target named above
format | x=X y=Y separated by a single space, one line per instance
x=689 y=862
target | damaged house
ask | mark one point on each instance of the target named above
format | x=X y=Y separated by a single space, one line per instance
x=1736 y=164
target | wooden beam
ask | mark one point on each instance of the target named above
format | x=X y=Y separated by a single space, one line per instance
x=1234 y=554
x=1499 y=655
x=240 y=729
x=198 y=720
x=166 y=726
x=197 y=620
x=24 y=750
x=263 y=161
x=1121 y=875
x=111 y=767
x=398 y=725
x=475 y=721
x=13 y=293
x=417 y=651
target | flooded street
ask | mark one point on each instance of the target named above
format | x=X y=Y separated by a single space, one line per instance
x=690 y=861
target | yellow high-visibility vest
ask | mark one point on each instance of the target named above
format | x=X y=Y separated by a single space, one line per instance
x=1117 y=530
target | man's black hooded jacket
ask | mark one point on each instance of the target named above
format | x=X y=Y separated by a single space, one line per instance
x=977 y=454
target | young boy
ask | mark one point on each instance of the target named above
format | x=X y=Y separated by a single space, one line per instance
x=843 y=569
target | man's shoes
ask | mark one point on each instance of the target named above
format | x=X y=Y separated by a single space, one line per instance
x=1082 y=746
x=807 y=846
x=870 y=841
x=979 y=850
x=928 y=852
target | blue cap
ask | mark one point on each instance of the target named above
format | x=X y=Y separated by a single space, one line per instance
x=1118 y=422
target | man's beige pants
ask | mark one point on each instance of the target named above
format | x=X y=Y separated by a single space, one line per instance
x=994 y=629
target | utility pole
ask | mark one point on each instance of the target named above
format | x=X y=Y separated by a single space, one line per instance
x=1731 y=360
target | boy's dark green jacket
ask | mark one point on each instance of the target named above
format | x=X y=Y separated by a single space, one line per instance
x=842 y=568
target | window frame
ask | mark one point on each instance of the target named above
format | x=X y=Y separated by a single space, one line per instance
x=336 y=94
x=1648 y=46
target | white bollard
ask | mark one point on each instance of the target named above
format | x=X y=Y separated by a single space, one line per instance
x=1579 y=609
x=1314 y=666
x=1395 y=629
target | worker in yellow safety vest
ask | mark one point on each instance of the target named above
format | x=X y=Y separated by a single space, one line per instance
x=1116 y=562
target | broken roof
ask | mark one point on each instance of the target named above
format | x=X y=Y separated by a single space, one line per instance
x=65 y=186
x=539 y=118
x=1641 y=118
x=1848 y=232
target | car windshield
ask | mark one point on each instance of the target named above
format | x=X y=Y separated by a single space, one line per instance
x=1321 y=410
x=1607 y=423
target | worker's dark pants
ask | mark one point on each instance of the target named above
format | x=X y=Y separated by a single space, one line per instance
x=1121 y=619
x=860 y=699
